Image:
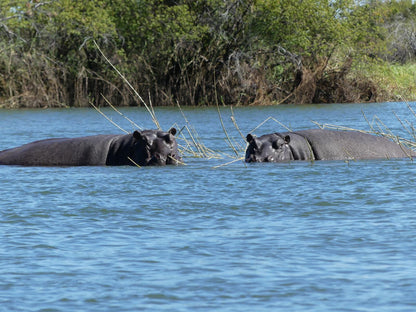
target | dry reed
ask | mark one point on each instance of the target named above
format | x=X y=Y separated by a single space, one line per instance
x=106 y=117
x=189 y=142
x=378 y=127
x=191 y=145
x=149 y=109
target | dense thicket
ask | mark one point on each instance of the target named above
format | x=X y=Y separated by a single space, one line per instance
x=197 y=52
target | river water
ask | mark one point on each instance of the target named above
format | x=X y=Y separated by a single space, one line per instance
x=213 y=234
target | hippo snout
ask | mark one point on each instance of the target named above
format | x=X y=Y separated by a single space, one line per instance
x=172 y=159
x=157 y=159
x=162 y=160
x=269 y=158
x=251 y=158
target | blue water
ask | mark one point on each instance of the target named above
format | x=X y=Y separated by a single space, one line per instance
x=323 y=236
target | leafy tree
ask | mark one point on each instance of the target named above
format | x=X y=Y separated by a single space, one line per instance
x=194 y=52
x=307 y=34
x=52 y=41
x=400 y=25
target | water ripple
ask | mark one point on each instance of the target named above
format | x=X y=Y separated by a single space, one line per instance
x=323 y=236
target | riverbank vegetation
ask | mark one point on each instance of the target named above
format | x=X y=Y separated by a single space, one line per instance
x=206 y=52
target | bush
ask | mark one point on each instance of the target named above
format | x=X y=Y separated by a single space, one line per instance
x=192 y=52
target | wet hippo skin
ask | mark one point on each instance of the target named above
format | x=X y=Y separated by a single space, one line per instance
x=321 y=144
x=144 y=148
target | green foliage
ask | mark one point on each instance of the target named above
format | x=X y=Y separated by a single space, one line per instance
x=192 y=52
x=314 y=29
x=400 y=26
x=395 y=82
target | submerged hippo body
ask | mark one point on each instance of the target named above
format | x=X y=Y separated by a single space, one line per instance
x=318 y=144
x=144 y=148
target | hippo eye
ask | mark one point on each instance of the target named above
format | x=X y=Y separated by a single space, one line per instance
x=147 y=142
x=255 y=144
x=276 y=145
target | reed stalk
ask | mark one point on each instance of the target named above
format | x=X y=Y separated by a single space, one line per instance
x=149 y=109
x=273 y=119
x=229 y=163
x=106 y=117
x=195 y=141
x=133 y=162
x=230 y=143
x=234 y=120
x=176 y=160
x=121 y=114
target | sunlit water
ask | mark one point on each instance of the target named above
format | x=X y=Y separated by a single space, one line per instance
x=323 y=236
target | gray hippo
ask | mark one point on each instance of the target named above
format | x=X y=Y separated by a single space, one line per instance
x=319 y=144
x=143 y=148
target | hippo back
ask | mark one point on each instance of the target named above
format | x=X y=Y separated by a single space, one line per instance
x=144 y=148
x=350 y=145
x=90 y=150
x=320 y=144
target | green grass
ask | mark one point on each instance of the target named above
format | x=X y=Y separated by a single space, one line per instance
x=393 y=81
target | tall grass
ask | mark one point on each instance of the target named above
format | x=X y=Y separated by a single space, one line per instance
x=394 y=82
x=191 y=145
x=189 y=142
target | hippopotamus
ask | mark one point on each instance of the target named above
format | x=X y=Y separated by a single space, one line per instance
x=322 y=144
x=143 y=148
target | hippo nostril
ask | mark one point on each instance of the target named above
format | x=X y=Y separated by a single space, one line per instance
x=160 y=159
x=171 y=159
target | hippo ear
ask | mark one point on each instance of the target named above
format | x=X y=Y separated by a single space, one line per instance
x=249 y=138
x=169 y=137
x=172 y=131
x=137 y=135
x=287 y=139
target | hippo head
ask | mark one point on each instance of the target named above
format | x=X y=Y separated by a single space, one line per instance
x=268 y=148
x=154 y=147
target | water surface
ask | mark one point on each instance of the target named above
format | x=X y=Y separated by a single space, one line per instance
x=322 y=236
